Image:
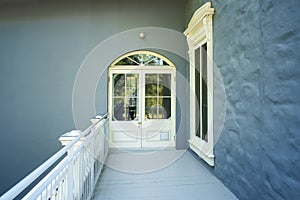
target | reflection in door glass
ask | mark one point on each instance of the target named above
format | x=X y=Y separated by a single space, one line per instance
x=132 y=109
x=164 y=105
x=131 y=85
x=151 y=85
x=151 y=108
x=118 y=109
x=125 y=97
x=119 y=84
x=165 y=85
x=158 y=96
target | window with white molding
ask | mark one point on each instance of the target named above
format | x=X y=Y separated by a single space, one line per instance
x=200 y=41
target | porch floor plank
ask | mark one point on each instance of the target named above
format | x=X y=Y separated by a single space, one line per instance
x=185 y=178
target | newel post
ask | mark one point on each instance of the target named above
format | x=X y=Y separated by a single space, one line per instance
x=65 y=139
x=69 y=137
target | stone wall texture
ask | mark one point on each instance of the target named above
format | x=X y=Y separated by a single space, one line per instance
x=257 y=50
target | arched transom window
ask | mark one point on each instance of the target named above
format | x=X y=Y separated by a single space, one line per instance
x=142 y=58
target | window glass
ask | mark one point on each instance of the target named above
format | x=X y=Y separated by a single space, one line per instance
x=197 y=91
x=142 y=60
x=204 y=105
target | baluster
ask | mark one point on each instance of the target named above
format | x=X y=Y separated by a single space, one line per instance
x=69 y=180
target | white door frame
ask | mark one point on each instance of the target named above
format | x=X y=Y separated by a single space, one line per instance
x=140 y=128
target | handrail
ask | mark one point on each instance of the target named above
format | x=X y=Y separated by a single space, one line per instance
x=29 y=179
x=23 y=184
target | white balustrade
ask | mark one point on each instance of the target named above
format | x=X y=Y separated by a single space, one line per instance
x=78 y=167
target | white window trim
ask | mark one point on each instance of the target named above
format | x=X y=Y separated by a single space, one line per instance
x=199 y=32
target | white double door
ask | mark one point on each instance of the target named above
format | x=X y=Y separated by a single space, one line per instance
x=142 y=106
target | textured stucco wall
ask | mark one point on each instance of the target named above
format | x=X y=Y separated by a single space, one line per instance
x=43 y=43
x=257 y=50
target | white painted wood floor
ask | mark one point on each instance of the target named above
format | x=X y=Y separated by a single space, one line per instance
x=183 y=178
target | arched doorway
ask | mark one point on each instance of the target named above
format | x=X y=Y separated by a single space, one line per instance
x=142 y=101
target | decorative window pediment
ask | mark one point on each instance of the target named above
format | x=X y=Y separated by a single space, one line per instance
x=200 y=26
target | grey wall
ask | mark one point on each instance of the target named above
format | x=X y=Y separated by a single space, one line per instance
x=42 y=46
x=256 y=49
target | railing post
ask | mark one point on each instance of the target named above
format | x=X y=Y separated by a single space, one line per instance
x=65 y=140
x=94 y=160
x=70 y=136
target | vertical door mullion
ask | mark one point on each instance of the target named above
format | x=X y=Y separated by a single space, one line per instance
x=125 y=95
x=141 y=103
x=173 y=104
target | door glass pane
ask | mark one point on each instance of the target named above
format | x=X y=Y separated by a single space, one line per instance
x=164 y=108
x=119 y=84
x=118 y=109
x=164 y=85
x=125 y=99
x=151 y=108
x=158 y=96
x=132 y=109
x=151 y=85
x=132 y=85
